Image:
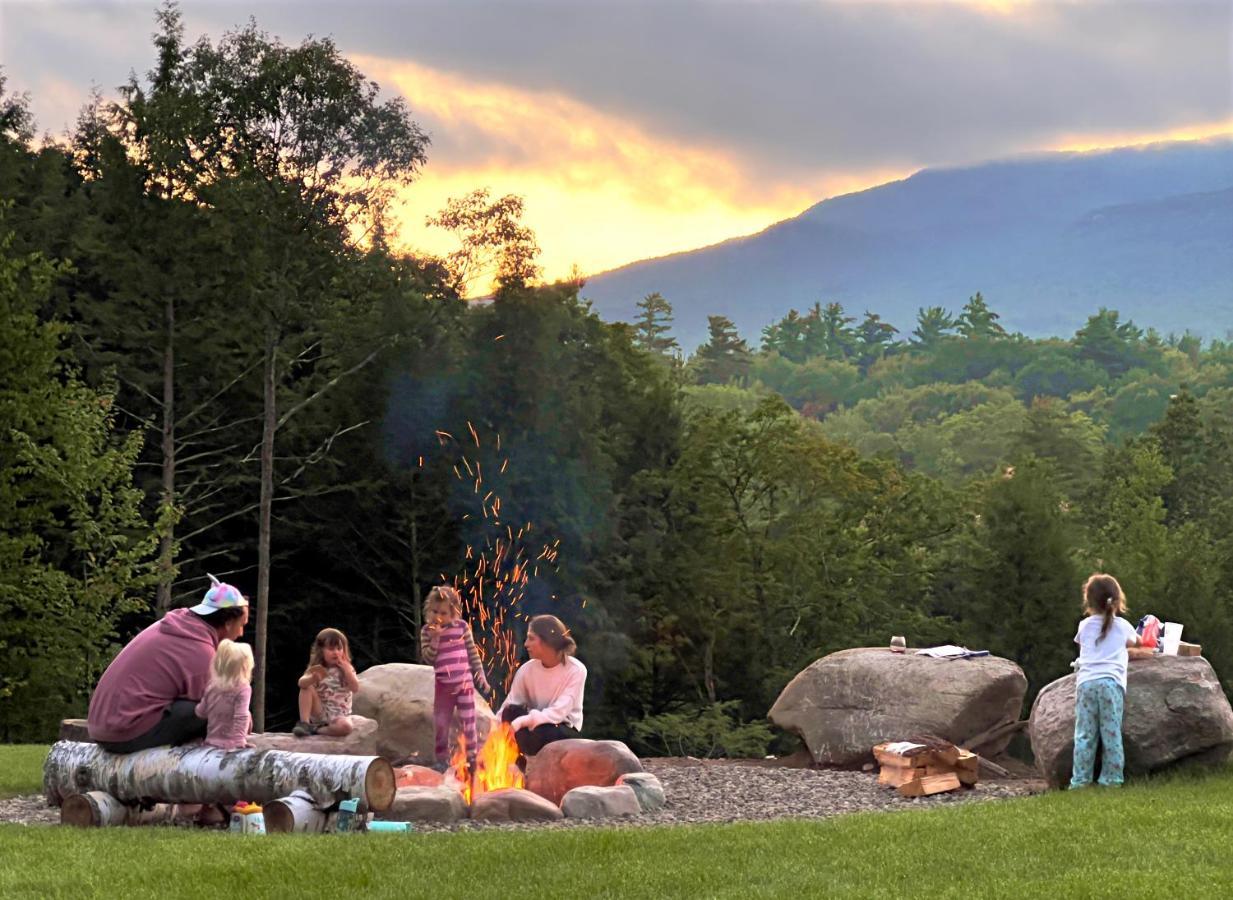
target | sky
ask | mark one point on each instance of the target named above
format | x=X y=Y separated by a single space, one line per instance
x=640 y=128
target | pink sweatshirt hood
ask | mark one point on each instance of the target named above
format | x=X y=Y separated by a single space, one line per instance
x=169 y=660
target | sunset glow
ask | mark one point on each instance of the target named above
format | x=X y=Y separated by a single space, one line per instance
x=600 y=192
x=1084 y=143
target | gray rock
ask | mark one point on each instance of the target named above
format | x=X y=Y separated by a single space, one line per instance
x=592 y=802
x=564 y=765
x=1176 y=714
x=647 y=788
x=846 y=702
x=399 y=697
x=513 y=805
x=362 y=741
x=427 y=804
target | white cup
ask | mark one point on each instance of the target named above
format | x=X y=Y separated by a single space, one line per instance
x=1172 y=637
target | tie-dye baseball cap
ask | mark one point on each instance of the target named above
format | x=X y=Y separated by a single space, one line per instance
x=219 y=596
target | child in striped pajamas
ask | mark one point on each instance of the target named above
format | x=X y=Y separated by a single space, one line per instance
x=447 y=644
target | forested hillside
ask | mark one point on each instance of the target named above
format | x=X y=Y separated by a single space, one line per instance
x=1049 y=238
x=212 y=362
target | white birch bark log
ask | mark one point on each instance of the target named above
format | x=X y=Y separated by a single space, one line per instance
x=98 y=809
x=199 y=774
x=299 y=812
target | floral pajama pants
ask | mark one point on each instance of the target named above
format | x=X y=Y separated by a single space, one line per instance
x=1098 y=719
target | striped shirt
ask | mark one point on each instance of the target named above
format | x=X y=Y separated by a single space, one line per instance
x=454 y=657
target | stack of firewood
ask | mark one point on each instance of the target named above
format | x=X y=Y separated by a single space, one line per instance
x=921 y=766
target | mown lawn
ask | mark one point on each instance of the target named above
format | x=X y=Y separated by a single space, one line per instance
x=21 y=769
x=1169 y=837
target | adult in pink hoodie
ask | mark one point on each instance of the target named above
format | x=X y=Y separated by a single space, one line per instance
x=149 y=693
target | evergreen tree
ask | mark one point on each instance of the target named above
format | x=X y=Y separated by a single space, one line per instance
x=873 y=339
x=1112 y=345
x=652 y=327
x=829 y=332
x=786 y=337
x=978 y=321
x=932 y=325
x=725 y=357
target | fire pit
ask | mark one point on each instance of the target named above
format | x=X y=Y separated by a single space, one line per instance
x=575 y=778
x=496 y=764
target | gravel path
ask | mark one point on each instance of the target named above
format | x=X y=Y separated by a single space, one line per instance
x=710 y=791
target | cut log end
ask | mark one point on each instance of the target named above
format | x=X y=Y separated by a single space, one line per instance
x=279 y=818
x=380 y=785
x=78 y=812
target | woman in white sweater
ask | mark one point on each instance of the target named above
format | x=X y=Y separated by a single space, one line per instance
x=545 y=700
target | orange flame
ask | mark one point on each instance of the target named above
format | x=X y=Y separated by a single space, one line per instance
x=496 y=764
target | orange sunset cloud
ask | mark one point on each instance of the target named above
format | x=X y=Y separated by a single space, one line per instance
x=600 y=191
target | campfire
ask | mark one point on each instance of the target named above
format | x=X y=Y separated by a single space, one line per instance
x=495 y=764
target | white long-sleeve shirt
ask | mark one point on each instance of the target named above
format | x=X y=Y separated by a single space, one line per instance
x=552 y=695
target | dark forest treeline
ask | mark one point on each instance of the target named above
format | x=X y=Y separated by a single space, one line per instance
x=199 y=299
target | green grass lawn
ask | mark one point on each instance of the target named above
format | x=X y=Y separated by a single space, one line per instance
x=21 y=768
x=1169 y=837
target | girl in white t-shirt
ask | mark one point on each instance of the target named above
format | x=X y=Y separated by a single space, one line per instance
x=1100 y=686
x=545 y=699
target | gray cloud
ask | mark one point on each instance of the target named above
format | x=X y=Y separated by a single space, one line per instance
x=792 y=88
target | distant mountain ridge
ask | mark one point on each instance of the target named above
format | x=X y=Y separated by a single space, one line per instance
x=1047 y=239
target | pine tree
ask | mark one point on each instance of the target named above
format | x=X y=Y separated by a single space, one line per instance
x=725 y=357
x=1113 y=345
x=653 y=324
x=873 y=339
x=978 y=321
x=932 y=325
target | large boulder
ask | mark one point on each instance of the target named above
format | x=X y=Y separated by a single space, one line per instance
x=417 y=776
x=513 y=805
x=443 y=803
x=563 y=765
x=846 y=702
x=399 y=696
x=590 y=802
x=1176 y=714
x=362 y=741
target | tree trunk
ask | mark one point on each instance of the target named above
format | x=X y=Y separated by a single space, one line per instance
x=268 y=429
x=200 y=774
x=417 y=601
x=166 y=543
x=708 y=669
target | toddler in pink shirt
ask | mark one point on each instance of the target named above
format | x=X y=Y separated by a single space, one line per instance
x=225 y=704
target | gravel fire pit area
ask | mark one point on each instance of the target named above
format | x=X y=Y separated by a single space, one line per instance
x=706 y=791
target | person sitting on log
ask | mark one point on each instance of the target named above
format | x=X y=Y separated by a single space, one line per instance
x=545 y=699
x=225 y=704
x=326 y=687
x=148 y=696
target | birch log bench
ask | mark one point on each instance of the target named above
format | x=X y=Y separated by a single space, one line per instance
x=93 y=787
x=362 y=741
